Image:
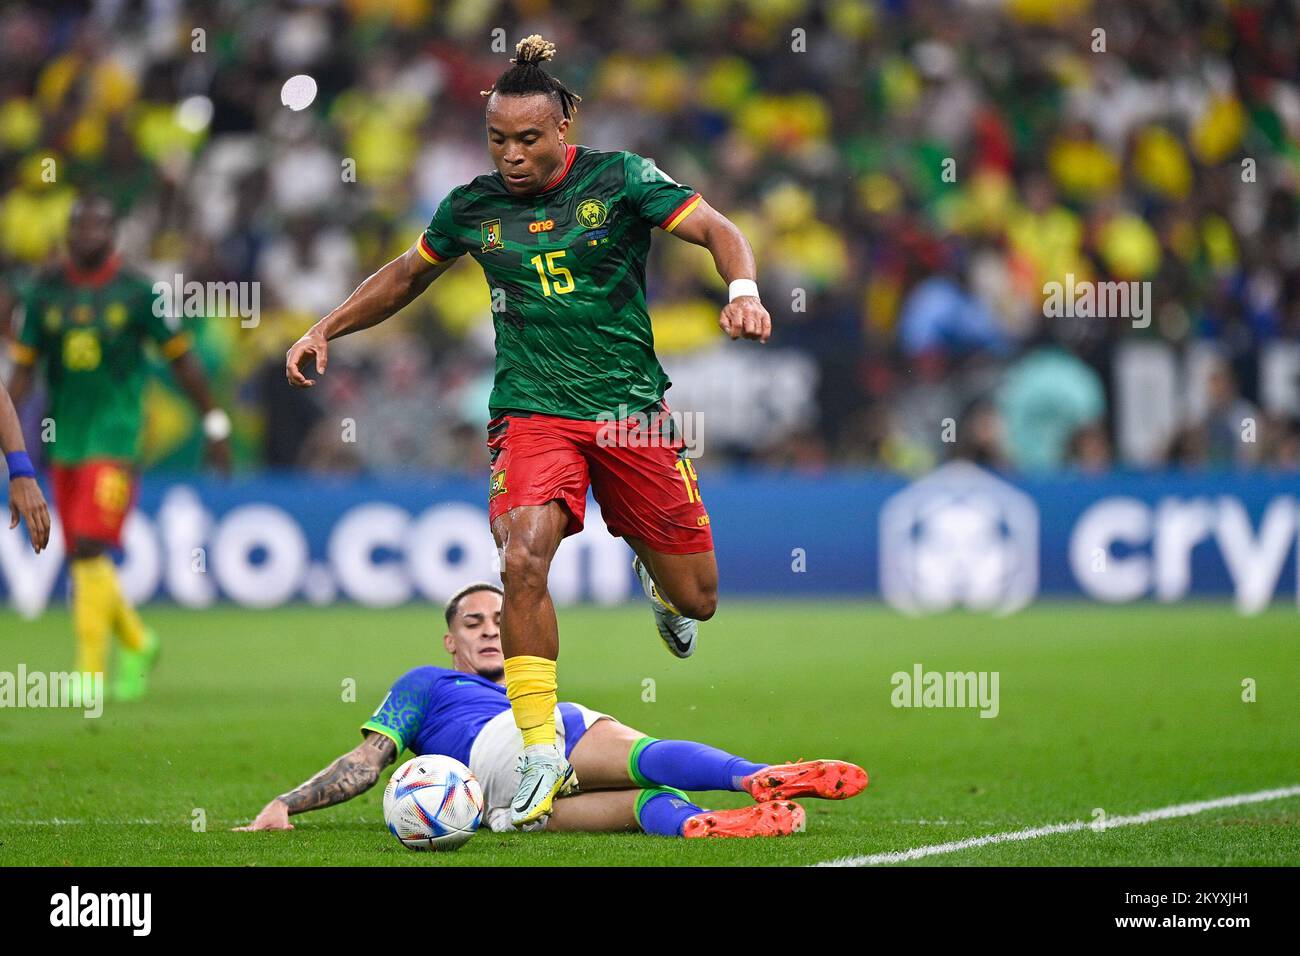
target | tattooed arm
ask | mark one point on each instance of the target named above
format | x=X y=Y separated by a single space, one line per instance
x=351 y=775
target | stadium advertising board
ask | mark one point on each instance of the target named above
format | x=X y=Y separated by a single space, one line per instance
x=960 y=537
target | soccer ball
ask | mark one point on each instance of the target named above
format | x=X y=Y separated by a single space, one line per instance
x=433 y=803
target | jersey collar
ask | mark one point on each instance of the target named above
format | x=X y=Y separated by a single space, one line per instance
x=570 y=151
x=94 y=278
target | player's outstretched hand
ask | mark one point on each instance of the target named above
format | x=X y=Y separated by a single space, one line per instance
x=27 y=502
x=745 y=317
x=313 y=344
x=274 y=816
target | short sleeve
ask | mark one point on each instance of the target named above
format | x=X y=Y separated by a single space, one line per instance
x=402 y=711
x=25 y=348
x=160 y=318
x=438 y=242
x=657 y=198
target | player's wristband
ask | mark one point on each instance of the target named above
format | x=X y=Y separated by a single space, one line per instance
x=741 y=287
x=20 y=466
x=216 y=425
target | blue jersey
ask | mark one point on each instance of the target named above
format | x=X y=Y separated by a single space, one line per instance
x=433 y=710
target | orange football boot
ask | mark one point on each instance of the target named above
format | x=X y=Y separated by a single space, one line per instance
x=828 y=779
x=780 y=818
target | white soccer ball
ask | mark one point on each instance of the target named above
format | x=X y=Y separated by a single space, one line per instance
x=433 y=803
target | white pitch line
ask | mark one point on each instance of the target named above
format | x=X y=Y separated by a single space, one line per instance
x=59 y=822
x=1033 y=833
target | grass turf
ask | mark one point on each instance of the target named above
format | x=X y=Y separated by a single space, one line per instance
x=1120 y=709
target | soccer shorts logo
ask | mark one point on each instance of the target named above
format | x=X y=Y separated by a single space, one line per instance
x=497 y=485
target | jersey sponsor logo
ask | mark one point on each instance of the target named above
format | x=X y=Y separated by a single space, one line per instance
x=491 y=231
x=591 y=212
x=83 y=314
x=542 y=225
x=497 y=484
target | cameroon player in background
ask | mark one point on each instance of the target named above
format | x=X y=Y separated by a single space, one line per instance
x=562 y=233
x=87 y=320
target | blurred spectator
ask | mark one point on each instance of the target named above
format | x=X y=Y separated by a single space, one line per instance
x=1047 y=396
x=910 y=184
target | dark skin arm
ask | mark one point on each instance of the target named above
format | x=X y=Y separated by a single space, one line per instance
x=189 y=376
x=745 y=317
x=25 y=498
x=21 y=383
x=379 y=297
x=349 y=776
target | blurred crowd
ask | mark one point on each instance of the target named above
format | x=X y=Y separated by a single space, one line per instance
x=911 y=174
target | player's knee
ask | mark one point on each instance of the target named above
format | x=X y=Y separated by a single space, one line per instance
x=85 y=548
x=701 y=604
x=523 y=568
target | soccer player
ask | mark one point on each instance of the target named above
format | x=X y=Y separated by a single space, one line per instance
x=630 y=781
x=562 y=233
x=25 y=498
x=88 y=319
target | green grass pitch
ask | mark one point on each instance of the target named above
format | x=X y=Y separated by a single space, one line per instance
x=1126 y=710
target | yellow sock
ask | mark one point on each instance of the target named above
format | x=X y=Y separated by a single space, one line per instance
x=92 y=611
x=126 y=620
x=530 y=685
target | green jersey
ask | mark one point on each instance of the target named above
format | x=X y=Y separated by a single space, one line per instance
x=90 y=331
x=565 y=270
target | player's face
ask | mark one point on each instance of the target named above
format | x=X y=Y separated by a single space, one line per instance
x=90 y=232
x=474 y=640
x=526 y=140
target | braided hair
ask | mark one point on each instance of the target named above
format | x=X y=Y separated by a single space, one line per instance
x=527 y=77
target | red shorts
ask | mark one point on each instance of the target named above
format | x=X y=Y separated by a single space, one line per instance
x=637 y=470
x=92 y=500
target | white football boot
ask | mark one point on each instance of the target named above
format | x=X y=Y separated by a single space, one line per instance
x=544 y=775
x=676 y=630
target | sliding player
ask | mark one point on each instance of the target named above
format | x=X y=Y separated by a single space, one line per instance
x=25 y=498
x=630 y=781
x=562 y=233
x=89 y=318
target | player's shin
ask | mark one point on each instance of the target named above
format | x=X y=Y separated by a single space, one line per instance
x=92 y=611
x=126 y=621
x=531 y=688
x=687 y=764
x=663 y=811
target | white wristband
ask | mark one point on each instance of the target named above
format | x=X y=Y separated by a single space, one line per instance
x=216 y=425
x=741 y=287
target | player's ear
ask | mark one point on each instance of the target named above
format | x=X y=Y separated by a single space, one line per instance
x=449 y=643
x=562 y=127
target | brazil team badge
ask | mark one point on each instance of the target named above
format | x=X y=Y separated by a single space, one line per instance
x=591 y=213
x=491 y=235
